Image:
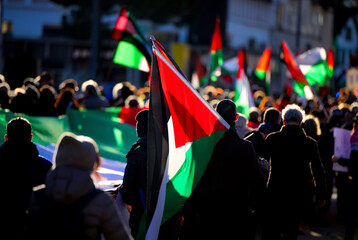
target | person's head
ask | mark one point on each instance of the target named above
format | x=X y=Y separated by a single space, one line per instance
x=45 y=78
x=69 y=83
x=90 y=88
x=254 y=114
x=47 y=94
x=272 y=115
x=292 y=115
x=241 y=122
x=142 y=123
x=18 y=129
x=311 y=126
x=76 y=151
x=133 y=101
x=33 y=92
x=227 y=109
x=354 y=108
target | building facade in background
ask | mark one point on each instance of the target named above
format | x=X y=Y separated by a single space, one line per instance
x=34 y=42
x=257 y=24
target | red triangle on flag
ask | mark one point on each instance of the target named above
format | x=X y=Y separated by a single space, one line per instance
x=292 y=65
x=192 y=116
x=216 y=41
x=123 y=24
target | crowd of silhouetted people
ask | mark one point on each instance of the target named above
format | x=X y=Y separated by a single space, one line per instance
x=271 y=172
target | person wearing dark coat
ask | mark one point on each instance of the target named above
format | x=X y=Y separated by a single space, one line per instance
x=271 y=123
x=22 y=169
x=221 y=205
x=295 y=169
x=133 y=188
x=134 y=180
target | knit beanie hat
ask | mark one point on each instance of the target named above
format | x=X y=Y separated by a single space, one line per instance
x=76 y=151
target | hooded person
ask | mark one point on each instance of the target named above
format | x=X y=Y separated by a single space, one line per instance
x=70 y=184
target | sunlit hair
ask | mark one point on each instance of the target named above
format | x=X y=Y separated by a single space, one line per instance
x=311 y=125
x=293 y=114
x=90 y=84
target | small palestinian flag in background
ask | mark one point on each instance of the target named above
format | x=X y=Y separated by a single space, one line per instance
x=132 y=50
x=199 y=77
x=293 y=68
x=184 y=130
x=262 y=70
x=313 y=64
x=216 y=51
x=330 y=63
x=243 y=97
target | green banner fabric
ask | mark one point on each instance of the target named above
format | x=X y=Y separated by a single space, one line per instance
x=114 y=139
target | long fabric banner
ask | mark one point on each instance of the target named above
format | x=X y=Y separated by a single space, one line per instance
x=114 y=139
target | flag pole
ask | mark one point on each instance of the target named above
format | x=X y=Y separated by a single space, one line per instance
x=319 y=101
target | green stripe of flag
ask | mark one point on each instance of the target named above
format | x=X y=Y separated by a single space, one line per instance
x=260 y=74
x=128 y=55
x=182 y=184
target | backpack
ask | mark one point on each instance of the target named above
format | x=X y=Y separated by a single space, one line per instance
x=54 y=220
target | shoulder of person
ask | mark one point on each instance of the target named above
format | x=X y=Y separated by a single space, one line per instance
x=273 y=135
x=311 y=141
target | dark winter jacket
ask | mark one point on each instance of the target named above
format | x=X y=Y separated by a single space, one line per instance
x=294 y=157
x=66 y=185
x=134 y=182
x=221 y=203
x=22 y=169
x=256 y=137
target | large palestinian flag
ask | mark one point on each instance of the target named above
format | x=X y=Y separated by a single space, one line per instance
x=184 y=130
x=114 y=139
x=132 y=50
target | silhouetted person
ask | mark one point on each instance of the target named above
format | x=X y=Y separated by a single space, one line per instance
x=46 y=104
x=92 y=96
x=271 y=123
x=295 y=165
x=22 y=169
x=65 y=100
x=22 y=102
x=220 y=205
x=67 y=184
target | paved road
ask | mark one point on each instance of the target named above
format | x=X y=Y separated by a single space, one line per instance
x=334 y=232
